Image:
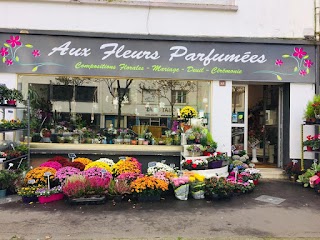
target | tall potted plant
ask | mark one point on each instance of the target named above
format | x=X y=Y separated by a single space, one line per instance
x=5 y=181
x=13 y=95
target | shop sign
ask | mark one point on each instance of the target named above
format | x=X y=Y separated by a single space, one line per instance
x=134 y=58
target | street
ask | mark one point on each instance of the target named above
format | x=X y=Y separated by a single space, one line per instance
x=242 y=217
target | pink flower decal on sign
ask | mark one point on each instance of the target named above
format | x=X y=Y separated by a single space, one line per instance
x=302 y=72
x=14 y=41
x=302 y=68
x=298 y=52
x=308 y=63
x=4 y=51
x=9 y=62
x=10 y=56
x=278 y=62
x=36 y=53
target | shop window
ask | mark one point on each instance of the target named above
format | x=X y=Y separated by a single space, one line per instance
x=179 y=96
x=82 y=93
x=124 y=93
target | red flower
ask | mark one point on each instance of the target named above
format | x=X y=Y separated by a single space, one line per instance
x=9 y=62
x=298 y=52
x=194 y=165
x=302 y=72
x=278 y=62
x=189 y=161
x=14 y=41
x=308 y=63
x=4 y=52
x=36 y=53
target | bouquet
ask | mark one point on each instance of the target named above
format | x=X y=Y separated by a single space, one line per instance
x=181 y=187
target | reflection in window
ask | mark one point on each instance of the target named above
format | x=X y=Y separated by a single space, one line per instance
x=90 y=107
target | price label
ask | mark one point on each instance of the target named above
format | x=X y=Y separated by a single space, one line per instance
x=47 y=174
x=172 y=165
x=103 y=170
x=31 y=181
x=152 y=164
x=72 y=155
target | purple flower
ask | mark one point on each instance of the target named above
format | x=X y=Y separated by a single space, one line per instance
x=298 y=52
x=279 y=62
x=308 y=63
x=4 y=51
x=96 y=172
x=65 y=172
x=14 y=41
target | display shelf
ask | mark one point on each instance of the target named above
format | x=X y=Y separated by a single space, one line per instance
x=17 y=108
x=302 y=139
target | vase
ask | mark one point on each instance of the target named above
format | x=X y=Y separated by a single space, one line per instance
x=182 y=192
x=3 y=193
x=91 y=200
x=254 y=155
x=215 y=164
x=51 y=198
x=149 y=198
x=29 y=199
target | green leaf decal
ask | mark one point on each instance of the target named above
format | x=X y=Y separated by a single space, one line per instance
x=279 y=78
x=3 y=59
x=285 y=55
x=34 y=69
x=295 y=69
x=17 y=58
x=6 y=45
x=29 y=46
x=308 y=70
x=306 y=56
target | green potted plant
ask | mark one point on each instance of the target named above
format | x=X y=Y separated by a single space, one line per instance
x=218 y=188
x=13 y=95
x=3 y=92
x=6 y=180
x=216 y=160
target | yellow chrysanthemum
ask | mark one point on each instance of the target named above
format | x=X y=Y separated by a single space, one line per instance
x=188 y=112
x=99 y=165
x=38 y=175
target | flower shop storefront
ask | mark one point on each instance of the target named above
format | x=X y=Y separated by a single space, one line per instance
x=115 y=97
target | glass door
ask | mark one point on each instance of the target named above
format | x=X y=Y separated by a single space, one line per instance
x=239 y=118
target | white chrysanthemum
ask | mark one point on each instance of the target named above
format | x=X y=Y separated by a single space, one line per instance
x=159 y=167
x=108 y=161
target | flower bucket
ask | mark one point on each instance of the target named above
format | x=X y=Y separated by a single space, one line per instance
x=11 y=102
x=29 y=199
x=182 y=192
x=3 y=193
x=51 y=198
x=198 y=194
x=215 y=164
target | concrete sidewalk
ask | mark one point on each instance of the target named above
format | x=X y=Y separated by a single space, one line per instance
x=274 y=209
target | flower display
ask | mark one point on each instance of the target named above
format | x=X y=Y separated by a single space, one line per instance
x=51 y=164
x=162 y=176
x=96 y=164
x=178 y=181
x=47 y=192
x=128 y=165
x=38 y=175
x=148 y=186
x=29 y=191
x=159 y=167
x=78 y=165
x=194 y=163
x=84 y=161
x=62 y=160
x=108 y=161
x=218 y=156
x=96 y=172
x=218 y=187
x=188 y=112
x=66 y=172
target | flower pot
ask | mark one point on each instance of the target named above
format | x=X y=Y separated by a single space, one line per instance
x=140 y=141
x=29 y=199
x=205 y=153
x=134 y=142
x=127 y=141
x=92 y=200
x=309 y=148
x=152 y=198
x=256 y=182
x=194 y=154
x=198 y=194
x=11 y=102
x=51 y=198
x=3 y=193
x=215 y=164
x=182 y=192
